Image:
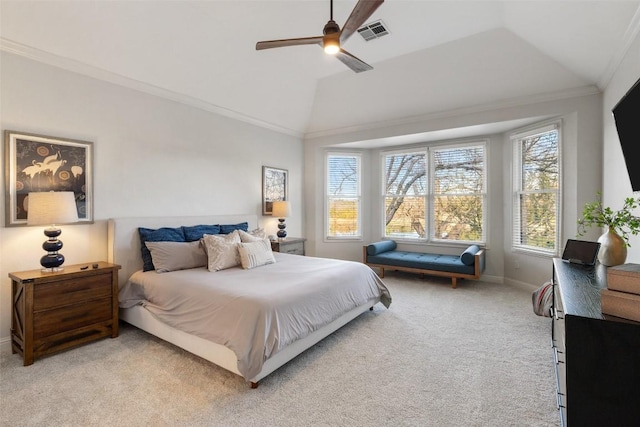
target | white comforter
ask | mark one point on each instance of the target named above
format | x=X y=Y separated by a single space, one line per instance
x=256 y=312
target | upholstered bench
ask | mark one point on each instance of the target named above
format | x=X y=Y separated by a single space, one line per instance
x=468 y=265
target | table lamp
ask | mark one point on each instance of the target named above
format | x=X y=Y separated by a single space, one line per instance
x=51 y=208
x=281 y=210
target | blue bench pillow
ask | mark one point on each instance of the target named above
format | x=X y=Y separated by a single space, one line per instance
x=469 y=254
x=380 y=247
x=164 y=234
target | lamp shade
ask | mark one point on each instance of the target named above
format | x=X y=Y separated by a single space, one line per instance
x=280 y=209
x=52 y=207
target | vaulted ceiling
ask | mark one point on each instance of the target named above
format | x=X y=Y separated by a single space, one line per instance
x=439 y=55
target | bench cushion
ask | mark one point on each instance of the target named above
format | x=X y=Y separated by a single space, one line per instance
x=448 y=263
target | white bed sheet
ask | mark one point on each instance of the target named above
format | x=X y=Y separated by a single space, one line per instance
x=258 y=312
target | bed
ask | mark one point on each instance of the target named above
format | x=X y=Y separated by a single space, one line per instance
x=260 y=318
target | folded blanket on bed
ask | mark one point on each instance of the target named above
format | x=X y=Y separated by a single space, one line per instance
x=256 y=312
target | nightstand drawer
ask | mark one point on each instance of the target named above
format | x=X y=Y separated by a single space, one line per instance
x=62 y=319
x=293 y=248
x=59 y=294
x=291 y=245
x=58 y=310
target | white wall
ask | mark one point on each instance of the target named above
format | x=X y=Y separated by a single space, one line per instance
x=615 y=184
x=582 y=145
x=152 y=157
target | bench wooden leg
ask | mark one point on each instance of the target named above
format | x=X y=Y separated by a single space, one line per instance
x=381 y=273
x=454 y=282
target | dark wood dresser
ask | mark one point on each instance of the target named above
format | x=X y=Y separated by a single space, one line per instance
x=59 y=310
x=597 y=357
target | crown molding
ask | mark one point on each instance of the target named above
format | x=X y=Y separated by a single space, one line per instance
x=72 y=65
x=505 y=104
x=628 y=39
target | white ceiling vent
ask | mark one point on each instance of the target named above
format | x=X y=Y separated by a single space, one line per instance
x=373 y=30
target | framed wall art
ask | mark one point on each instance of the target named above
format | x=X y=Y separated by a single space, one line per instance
x=36 y=163
x=275 y=184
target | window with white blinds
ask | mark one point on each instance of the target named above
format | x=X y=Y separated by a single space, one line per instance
x=343 y=196
x=405 y=197
x=536 y=200
x=445 y=184
x=458 y=193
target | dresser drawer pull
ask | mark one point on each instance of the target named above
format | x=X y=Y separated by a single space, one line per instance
x=556 y=357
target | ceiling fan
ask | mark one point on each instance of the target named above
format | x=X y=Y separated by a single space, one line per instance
x=333 y=36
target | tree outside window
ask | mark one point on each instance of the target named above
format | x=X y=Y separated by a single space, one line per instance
x=459 y=193
x=455 y=199
x=405 y=195
x=343 y=196
x=537 y=192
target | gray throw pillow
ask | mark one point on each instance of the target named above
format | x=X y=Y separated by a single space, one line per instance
x=172 y=256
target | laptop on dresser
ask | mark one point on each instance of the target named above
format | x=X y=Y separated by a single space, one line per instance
x=581 y=252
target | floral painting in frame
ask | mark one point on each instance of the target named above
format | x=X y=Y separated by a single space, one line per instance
x=36 y=163
x=274 y=187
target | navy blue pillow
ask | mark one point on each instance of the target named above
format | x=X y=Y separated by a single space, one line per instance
x=228 y=228
x=468 y=257
x=195 y=232
x=380 y=247
x=164 y=234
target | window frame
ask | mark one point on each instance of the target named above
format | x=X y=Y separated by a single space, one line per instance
x=327 y=219
x=383 y=186
x=516 y=146
x=430 y=194
x=483 y=143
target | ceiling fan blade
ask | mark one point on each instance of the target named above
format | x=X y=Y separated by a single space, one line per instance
x=269 y=44
x=363 y=10
x=352 y=62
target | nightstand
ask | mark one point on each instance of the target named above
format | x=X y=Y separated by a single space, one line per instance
x=291 y=245
x=60 y=310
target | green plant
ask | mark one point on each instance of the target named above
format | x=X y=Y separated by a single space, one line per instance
x=623 y=221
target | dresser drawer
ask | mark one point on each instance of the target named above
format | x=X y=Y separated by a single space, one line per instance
x=49 y=322
x=58 y=294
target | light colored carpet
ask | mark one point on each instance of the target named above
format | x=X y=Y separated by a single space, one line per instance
x=473 y=356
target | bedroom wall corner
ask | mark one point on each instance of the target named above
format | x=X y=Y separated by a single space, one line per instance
x=152 y=157
x=616 y=185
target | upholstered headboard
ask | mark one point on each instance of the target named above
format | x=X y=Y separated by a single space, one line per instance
x=124 y=240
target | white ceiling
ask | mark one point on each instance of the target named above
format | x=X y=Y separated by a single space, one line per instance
x=440 y=55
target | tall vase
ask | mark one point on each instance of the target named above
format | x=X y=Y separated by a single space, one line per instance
x=613 y=250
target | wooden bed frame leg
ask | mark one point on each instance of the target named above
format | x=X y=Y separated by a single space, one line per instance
x=454 y=282
x=254 y=384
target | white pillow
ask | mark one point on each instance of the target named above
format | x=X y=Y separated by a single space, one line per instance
x=255 y=254
x=172 y=256
x=252 y=236
x=222 y=250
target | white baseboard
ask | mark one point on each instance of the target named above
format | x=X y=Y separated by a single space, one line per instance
x=521 y=285
x=5 y=343
x=492 y=279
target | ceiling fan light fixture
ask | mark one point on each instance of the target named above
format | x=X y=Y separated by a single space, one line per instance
x=331 y=43
x=333 y=36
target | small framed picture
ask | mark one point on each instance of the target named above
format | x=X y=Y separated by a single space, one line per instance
x=275 y=184
x=36 y=163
